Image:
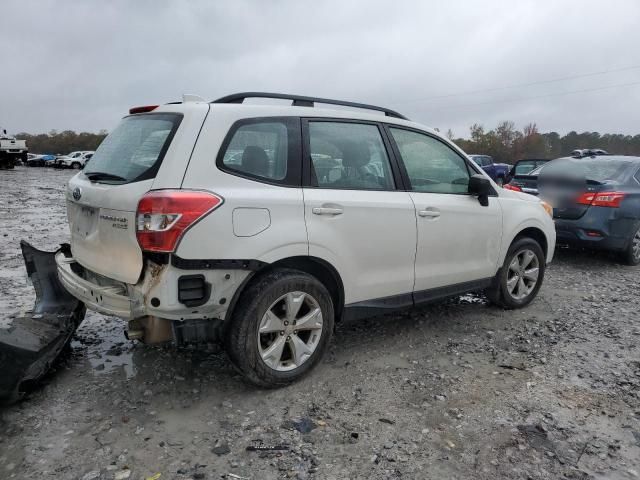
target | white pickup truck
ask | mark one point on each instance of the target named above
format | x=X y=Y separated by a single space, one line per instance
x=11 y=150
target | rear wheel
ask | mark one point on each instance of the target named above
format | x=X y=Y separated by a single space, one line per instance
x=280 y=328
x=631 y=256
x=520 y=278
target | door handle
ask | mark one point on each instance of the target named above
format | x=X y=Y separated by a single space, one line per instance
x=429 y=213
x=326 y=211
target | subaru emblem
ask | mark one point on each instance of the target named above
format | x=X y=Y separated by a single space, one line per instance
x=77 y=193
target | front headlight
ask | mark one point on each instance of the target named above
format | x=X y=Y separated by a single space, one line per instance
x=547 y=207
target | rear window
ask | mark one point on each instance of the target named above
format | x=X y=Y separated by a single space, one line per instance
x=597 y=170
x=259 y=149
x=134 y=150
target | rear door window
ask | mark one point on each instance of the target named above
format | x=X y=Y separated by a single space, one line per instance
x=348 y=155
x=135 y=149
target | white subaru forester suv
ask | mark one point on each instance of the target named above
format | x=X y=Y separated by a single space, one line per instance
x=261 y=226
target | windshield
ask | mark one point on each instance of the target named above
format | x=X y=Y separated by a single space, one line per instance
x=134 y=150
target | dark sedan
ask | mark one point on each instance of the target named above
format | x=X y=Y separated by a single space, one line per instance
x=596 y=201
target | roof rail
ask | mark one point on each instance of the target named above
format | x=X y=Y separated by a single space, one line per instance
x=302 y=101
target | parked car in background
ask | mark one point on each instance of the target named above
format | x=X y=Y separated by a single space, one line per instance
x=524 y=166
x=497 y=171
x=75 y=160
x=262 y=225
x=595 y=199
x=588 y=152
x=40 y=160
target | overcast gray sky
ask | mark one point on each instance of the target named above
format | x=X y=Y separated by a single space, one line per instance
x=73 y=64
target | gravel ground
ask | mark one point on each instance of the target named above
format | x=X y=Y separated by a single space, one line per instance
x=456 y=390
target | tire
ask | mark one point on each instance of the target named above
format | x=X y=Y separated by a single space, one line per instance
x=75 y=166
x=631 y=256
x=507 y=294
x=249 y=350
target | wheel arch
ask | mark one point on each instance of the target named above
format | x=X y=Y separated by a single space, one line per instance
x=535 y=233
x=317 y=267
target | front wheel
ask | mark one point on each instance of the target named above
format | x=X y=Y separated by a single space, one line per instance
x=280 y=328
x=75 y=166
x=518 y=281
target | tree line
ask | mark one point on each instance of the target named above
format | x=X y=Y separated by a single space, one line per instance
x=507 y=144
x=504 y=143
x=64 y=142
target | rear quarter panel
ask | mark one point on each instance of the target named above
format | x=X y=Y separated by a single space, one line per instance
x=213 y=237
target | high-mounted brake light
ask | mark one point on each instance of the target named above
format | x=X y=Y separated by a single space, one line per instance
x=143 y=109
x=601 y=199
x=515 y=188
x=163 y=216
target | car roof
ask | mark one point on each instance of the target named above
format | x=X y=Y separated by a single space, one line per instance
x=252 y=110
x=604 y=158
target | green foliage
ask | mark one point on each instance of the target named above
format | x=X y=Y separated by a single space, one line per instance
x=62 y=142
x=507 y=145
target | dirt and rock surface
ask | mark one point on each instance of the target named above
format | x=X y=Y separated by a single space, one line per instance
x=456 y=390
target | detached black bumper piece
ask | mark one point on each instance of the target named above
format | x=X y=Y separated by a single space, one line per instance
x=31 y=343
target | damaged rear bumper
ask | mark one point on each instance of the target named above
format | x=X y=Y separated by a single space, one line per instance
x=33 y=341
x=109 y=299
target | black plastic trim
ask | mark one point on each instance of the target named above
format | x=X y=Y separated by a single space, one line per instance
x=379 y=306
x=293 y=176
x=183 y=290
x=213 y=264
x=304 y=101
x=426 y=296
x=382 y=306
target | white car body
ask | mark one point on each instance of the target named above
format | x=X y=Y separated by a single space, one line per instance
x=384 y=249
x=75 y=160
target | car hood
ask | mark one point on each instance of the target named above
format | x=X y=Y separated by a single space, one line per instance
x=518 y=195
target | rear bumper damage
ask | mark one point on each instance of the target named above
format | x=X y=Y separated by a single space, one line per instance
x=32 y=342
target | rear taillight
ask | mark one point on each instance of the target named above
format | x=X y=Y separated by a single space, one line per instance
x=164 y=215
x=515 y=188
x=601 y=199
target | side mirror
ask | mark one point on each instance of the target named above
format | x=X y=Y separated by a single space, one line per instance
x=481 y=188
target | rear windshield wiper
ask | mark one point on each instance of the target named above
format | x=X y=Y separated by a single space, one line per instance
x=93 y=176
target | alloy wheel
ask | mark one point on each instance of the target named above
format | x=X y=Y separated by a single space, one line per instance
x=523 y=274
x=290 y=331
